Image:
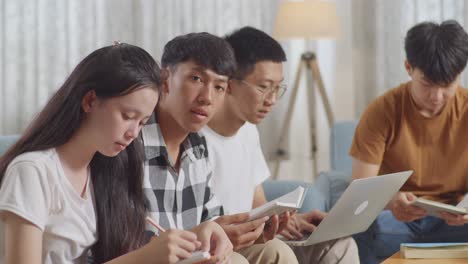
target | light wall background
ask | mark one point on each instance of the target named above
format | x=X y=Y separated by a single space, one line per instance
x=42 y=40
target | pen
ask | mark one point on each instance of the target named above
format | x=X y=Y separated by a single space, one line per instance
x=153 y=223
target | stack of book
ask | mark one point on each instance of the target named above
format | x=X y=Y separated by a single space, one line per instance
x=434 y=250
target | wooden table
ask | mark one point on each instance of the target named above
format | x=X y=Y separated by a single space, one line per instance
x=396 y=259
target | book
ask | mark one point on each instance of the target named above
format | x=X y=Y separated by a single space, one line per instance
x=288 y=202
x=197 y=257
x=434 y=250
x=433 y=207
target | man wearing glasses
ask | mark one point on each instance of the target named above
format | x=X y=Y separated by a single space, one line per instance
x=239 y=167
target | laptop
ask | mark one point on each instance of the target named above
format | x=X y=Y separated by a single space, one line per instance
x=357 y=208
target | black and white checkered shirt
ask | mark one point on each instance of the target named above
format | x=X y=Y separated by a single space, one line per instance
x=181 y=200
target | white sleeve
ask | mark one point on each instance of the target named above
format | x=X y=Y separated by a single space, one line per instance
x=260 y=171
x=25 y=191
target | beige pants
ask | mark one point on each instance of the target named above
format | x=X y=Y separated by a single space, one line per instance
x=274 y=251
x=237 y=258
x=342 y=251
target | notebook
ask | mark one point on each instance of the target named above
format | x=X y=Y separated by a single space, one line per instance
x=433 y=207
x=288 y=202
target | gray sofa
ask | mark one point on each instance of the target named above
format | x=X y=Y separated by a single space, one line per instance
x=6 y=142
x=329 y=185
x=326 y=189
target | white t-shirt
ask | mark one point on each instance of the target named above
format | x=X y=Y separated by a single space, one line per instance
x=36 y=188
x=238 y=167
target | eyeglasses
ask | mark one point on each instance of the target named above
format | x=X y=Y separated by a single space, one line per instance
x=267 y=91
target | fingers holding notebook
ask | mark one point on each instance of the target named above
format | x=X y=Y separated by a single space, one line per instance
x=284 y=220
x=270 y=229
x=454 y=219
x=402 y=208
x=241 y=232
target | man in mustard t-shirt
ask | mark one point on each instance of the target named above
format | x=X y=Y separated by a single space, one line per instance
x=420 y=125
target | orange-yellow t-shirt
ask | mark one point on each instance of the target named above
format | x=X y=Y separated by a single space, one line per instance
x=395 y=135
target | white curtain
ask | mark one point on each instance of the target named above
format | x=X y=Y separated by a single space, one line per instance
x=42 y=40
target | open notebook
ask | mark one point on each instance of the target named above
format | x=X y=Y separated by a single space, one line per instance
x=433 y=208
x=288 y=202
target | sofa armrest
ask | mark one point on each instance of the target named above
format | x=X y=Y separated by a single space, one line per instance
x=332 y=184
x=341 y=138
x=313 y=198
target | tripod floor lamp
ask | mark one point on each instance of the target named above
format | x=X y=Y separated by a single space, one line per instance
x=305 y=20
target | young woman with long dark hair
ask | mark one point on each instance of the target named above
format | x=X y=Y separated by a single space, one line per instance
x=73 y=182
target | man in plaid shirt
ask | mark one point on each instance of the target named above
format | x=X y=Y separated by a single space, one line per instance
x=179 y=193
x=178 y=175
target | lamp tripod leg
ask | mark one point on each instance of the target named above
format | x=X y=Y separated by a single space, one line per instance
x=323 y=93
x=312 y=101
x=317 y=78
x=309 y=61
x=281 y=152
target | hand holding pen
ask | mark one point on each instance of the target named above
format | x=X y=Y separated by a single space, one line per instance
x=173 y=245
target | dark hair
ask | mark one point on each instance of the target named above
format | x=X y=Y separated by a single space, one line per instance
x=250 y=46
x=120 y=204
x=439 y=51
x=204 y=49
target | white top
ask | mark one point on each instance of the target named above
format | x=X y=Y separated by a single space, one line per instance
x=36 y=188
x=238 y=167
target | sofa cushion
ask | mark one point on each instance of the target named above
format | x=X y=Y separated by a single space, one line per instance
x=331 y=184
x=6 y=142
x=314 y=200
x=341 y=138
x=339 y=181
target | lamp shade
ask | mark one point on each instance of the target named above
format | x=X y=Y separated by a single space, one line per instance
x=306 y=19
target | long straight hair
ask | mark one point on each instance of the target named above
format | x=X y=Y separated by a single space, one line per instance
x=120 y=203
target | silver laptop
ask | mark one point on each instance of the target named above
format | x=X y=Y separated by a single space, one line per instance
x=357 y=208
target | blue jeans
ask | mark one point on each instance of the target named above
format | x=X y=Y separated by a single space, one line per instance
x=384 y=236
